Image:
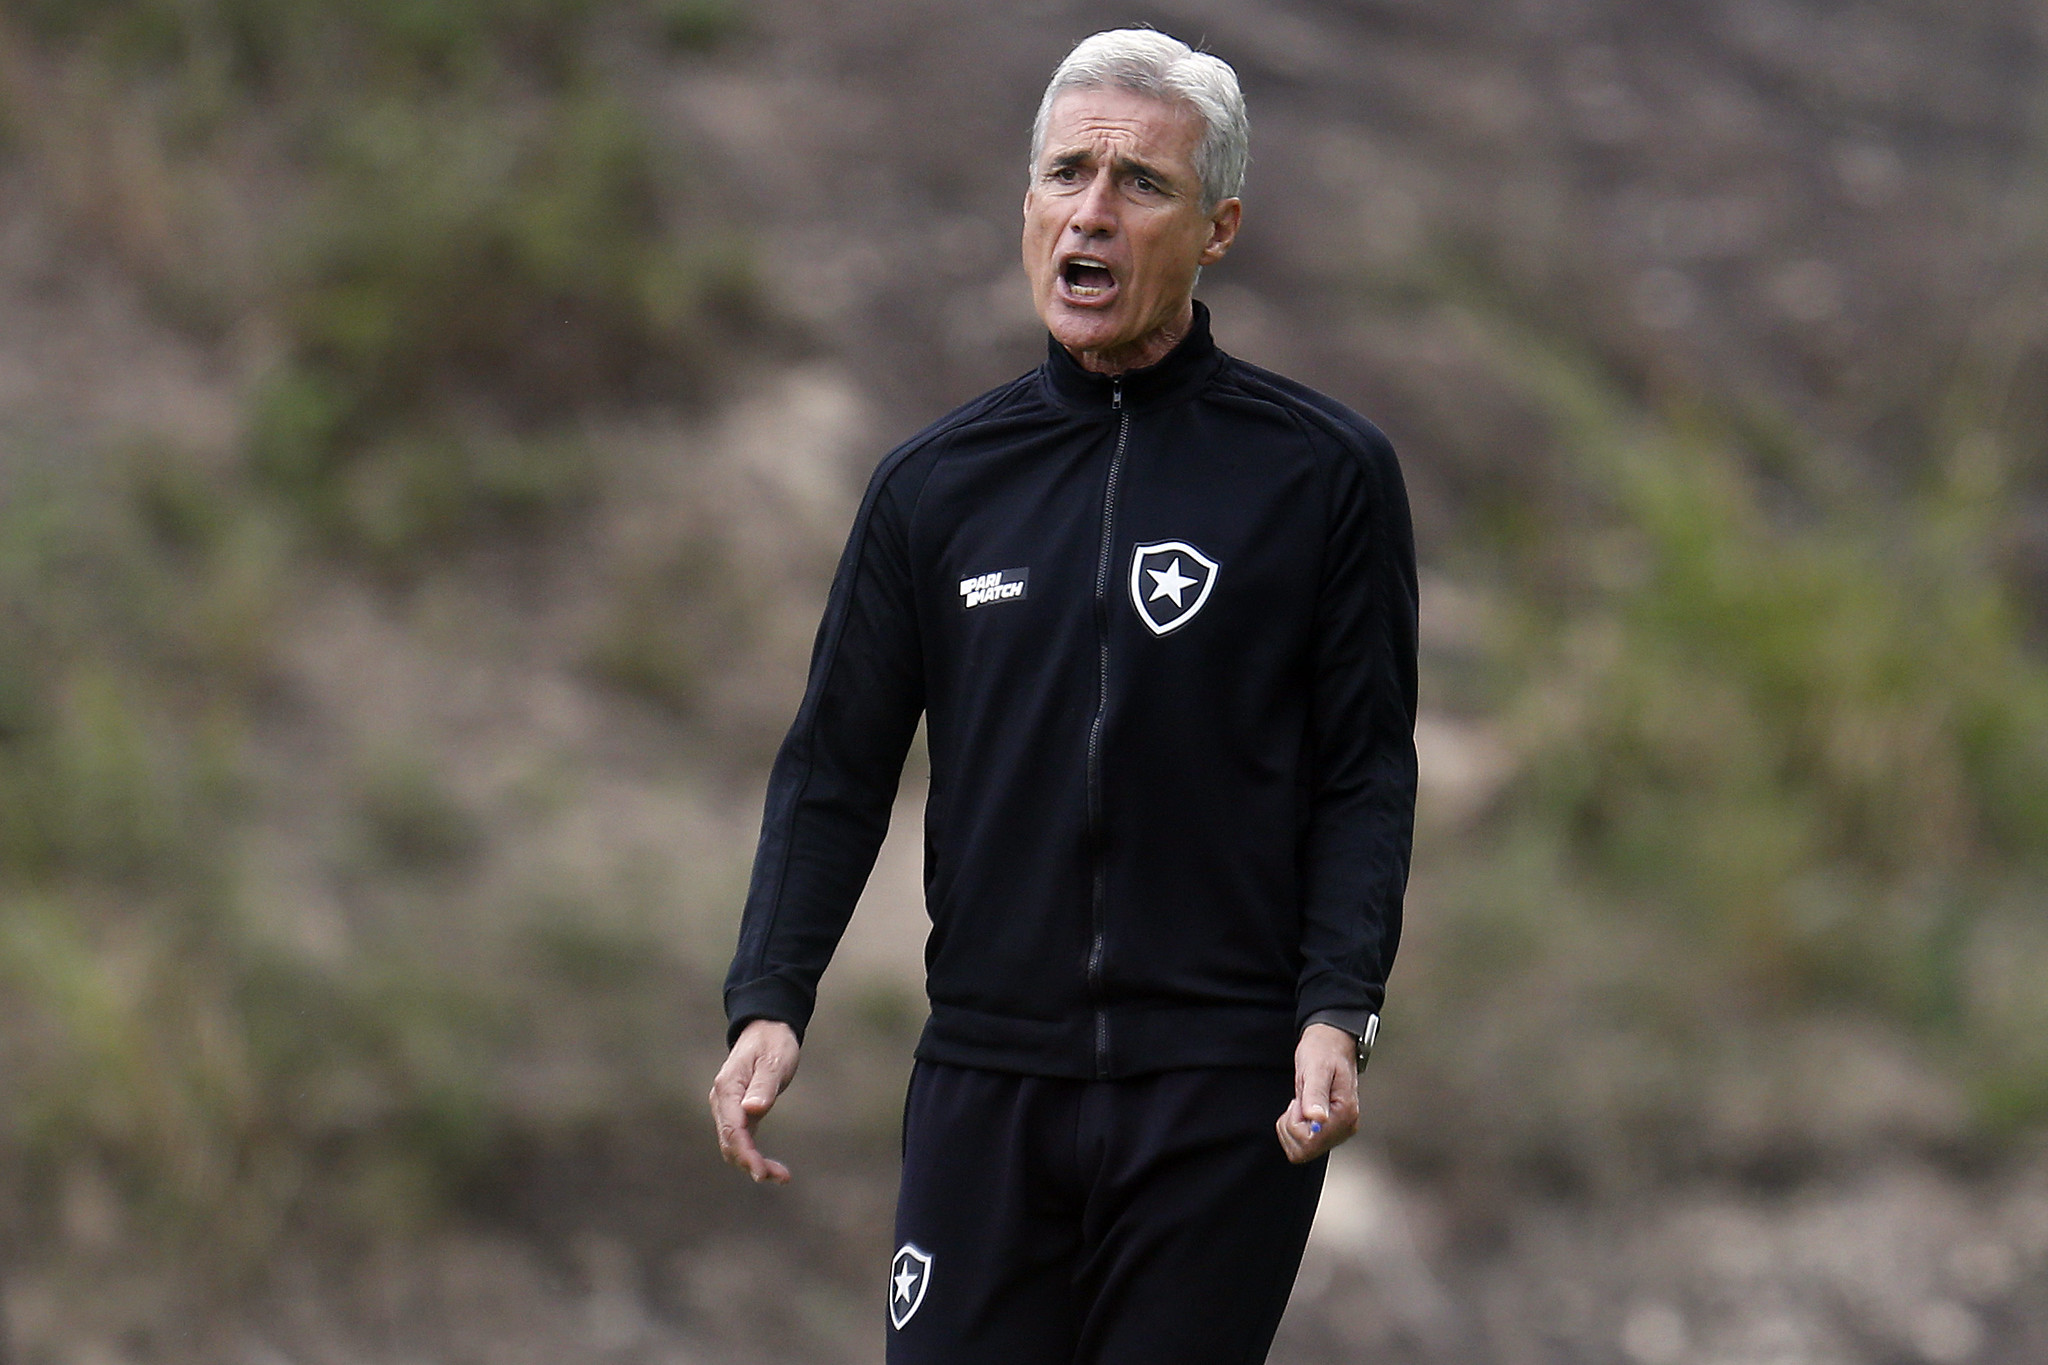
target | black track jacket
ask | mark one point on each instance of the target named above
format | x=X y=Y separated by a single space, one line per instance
x=1162 y=628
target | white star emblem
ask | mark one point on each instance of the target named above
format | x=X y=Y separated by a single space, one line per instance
x=1148 y=584
x=1170 y=582
x=911 y=1275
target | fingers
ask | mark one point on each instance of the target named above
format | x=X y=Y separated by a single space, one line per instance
x=1304 y=1139
x=736 y=1143
x=1325 y=1108
x=1295 y=1136
x=729 y=1117
x=761 y=1065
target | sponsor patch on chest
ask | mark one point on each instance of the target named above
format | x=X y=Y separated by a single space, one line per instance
x=1007 y=585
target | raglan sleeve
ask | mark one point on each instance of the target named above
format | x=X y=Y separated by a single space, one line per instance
x=1363 y=773
x=834 y=781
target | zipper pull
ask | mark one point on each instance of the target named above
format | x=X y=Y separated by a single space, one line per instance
x=1116 y=394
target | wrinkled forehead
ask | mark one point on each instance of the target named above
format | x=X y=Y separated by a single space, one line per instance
x=1134 y=123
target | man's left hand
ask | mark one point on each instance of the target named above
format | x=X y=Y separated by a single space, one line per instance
x=1325 y=1108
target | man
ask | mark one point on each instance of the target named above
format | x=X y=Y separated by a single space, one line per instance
x=1157 y=607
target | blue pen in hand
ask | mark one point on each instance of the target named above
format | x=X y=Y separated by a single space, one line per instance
x=1314 y=1128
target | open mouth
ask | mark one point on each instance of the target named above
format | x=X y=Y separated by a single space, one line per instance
x=1086 y=278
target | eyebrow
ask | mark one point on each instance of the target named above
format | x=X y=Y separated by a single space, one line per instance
x=1123 y=165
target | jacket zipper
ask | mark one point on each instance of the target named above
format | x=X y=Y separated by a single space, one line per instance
x=1095 y=820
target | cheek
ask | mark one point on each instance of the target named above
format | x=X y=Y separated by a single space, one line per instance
x=1170 y=253
x=1164 y=271
x=1038 y=234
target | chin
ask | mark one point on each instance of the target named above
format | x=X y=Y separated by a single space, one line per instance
x=1086 y=332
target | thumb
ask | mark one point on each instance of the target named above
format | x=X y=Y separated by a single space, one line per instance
x=1315 y=1095
x=762 y=1089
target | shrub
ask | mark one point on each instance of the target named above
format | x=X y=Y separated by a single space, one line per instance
x=1809 y=738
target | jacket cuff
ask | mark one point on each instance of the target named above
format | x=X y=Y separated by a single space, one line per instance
x=1338 y=994
x=766 y=998
x=1353 y=1022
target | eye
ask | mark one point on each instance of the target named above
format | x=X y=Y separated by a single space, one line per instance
x=1066 y=175
x=1144 y=185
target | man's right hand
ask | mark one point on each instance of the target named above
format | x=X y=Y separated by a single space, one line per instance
x=762 y=1063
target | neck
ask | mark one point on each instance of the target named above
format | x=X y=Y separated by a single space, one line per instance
x=1148 y=349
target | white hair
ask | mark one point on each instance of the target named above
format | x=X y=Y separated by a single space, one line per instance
x=1151 y=63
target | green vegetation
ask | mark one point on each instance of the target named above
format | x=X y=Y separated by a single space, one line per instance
x=1780 y=751
x=460 y=264
x=1750 y=706
x=489 y=246
x=271 y=47
x=481 y=249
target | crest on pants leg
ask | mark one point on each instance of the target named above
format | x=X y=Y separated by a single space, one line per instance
x=909 y=1275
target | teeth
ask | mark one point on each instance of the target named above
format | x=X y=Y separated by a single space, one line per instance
x=1086 y=291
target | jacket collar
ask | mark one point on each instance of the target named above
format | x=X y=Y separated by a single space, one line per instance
x=1185 y=369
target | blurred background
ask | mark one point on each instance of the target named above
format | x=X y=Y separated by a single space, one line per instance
x=426 y=431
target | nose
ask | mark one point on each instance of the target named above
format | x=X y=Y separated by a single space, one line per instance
x=1095 y=215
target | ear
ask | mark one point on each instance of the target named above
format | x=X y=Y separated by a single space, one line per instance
x=1222 y=230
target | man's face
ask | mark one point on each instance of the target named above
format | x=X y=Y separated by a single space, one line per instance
x=1114 y=229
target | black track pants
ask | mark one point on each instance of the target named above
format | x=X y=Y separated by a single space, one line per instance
x=1057 y=1222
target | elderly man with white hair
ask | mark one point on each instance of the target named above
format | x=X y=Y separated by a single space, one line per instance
x=1157 y=609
